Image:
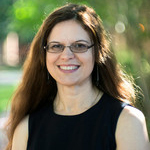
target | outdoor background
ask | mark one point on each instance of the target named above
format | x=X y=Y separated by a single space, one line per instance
x=127 y=23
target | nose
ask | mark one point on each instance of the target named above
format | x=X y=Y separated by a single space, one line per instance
x=67 y=54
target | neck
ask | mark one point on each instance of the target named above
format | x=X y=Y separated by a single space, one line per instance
x=75 y=99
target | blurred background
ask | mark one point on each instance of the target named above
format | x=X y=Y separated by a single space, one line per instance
x=127 y=23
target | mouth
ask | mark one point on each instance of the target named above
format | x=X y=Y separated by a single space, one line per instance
x=69 y=67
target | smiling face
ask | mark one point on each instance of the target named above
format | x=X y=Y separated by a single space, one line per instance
x=66 y=67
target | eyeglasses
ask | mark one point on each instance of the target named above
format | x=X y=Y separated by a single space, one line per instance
x=75 y=47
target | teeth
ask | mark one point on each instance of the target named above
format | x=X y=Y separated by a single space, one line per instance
x=68 y=67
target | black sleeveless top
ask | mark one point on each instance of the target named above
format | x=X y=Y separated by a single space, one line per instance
x=93 y=129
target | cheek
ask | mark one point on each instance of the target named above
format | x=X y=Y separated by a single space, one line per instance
x=50 y=58
x=49 y=61
x=89 y=62
x=92 y=58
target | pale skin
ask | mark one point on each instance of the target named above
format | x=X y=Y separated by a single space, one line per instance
x=131 y=132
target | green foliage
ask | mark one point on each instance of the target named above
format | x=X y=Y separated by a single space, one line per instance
x=5 y=95
x=4 y=18
x=25 y=16
x=126 y=58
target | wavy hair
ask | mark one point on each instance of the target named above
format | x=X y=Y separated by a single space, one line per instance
x=34 y=89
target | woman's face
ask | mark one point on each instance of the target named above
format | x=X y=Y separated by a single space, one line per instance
x=68 y=68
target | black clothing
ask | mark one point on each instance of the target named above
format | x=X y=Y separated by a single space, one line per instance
x=93 y=129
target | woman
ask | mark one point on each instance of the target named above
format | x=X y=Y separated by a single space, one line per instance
x=73 y=94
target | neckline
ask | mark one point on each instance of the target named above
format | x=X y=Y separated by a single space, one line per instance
x=86 y=112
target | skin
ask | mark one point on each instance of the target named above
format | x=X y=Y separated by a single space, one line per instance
x=70 y=100
x=131 y=132
x=21 y=135
x=85 y=60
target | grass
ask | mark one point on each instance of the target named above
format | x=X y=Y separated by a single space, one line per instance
x=5 y=67
x=6 y=92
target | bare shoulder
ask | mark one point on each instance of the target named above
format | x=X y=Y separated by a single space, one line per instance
x=23 y=124
x=132 y=115
x=131 y=131
x=21 y=135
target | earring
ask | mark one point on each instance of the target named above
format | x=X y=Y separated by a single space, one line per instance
x=48 y=76
x=97 y=75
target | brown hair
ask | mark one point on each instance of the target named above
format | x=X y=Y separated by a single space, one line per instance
x=34 y=89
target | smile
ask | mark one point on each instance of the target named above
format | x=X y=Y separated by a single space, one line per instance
x=67 y=68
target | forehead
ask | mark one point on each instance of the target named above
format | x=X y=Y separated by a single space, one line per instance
x=68 y=31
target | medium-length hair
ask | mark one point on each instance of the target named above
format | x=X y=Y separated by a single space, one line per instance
x=34 y=89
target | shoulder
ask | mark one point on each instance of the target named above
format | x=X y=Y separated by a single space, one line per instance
x=21 y=135
x=132 y=115
x=131 y=131
x=22 y=126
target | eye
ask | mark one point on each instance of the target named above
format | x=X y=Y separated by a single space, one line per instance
x=80 y=45
x=56 y=46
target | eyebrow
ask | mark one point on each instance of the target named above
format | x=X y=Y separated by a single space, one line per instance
x=73 y=42
x=82 y=41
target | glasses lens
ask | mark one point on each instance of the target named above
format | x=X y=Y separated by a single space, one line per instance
x=55 y=48
x=79 y=47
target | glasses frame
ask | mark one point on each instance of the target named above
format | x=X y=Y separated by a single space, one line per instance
x=70 y=47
